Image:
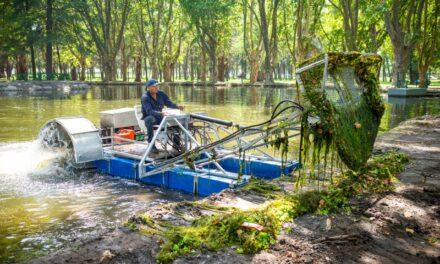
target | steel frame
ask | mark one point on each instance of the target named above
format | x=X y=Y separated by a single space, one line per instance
x=222 y=152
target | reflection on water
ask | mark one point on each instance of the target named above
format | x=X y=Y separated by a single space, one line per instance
x=23 y=113
x=401 y=109
x=42 y=211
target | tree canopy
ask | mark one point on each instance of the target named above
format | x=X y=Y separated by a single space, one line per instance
x=200 y=40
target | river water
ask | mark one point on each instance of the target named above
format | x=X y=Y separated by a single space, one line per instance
x=45 y=208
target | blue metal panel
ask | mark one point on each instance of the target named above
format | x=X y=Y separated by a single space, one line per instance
x=208 y=185
x=189 y=181
x=124 y=168
x=183 y=180
x=233 y=165
x=102 y=165
x=159 y=179
x=258 y=168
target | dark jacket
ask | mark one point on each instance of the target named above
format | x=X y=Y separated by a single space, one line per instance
x=154 y=107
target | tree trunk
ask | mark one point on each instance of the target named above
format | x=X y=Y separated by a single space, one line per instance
x=404 y=34
x=8 y=69
x=423 y=74
x=213 y=62
x=222 y=65
x=350 y=14
x=167 y=71
x=254 y=62
x=21 y=68
x=49 y=41
x=427 y=48
x=146 y=68
x=401 y=61
x=138 y=68
x=82 y=62
x=274 y=38
x=268 y=79
x=202 y=70
x=413 y=71
x=2 y=66
x=109 y=68
x=124 y=64
x=34 y=68
x=91 y=73
x=101 y=70
x=60 y=65
x=191 y=67
x=185 y=65
x=154 y=67
x=307 y=17
x=106 y=31
x=73 y=73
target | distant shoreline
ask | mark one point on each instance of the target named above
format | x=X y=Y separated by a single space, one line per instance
x=433 y=91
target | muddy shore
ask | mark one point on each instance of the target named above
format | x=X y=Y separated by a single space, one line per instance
x=402 y=226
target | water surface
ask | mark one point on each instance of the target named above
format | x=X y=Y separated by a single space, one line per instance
x=44 y=209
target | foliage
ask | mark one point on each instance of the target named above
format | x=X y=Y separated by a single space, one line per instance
x=262 y=187
x=161 y=37
x=213 y=26
x=428 y=47
x=375 y=177
x=217 y=231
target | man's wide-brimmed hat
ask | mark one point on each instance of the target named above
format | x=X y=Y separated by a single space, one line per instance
x=152 y=82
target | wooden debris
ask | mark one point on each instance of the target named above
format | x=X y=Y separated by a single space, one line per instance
x=250 y=226
x=349 y=237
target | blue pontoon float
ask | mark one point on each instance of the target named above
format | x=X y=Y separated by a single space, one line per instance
x=197 y=153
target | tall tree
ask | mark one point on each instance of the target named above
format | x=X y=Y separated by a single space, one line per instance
x=403 y=22
x=49 y=25
x=252 y=40
x=155 y=19
x=268 y=77
x=308 y=15
x=288 y=28
x=372 y=33
x=270 y=43
x=211 y=22
x=428 y=48
x=349 y=9
x=20 y=31
x=137 y=27
x=173 y=48
x=106 y=21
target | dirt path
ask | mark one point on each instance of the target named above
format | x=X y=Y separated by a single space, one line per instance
x=397 y=227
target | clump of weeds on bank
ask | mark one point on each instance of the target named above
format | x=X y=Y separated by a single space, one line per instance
x=213 y=232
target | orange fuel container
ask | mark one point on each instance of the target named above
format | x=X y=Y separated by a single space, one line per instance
x=125 y=133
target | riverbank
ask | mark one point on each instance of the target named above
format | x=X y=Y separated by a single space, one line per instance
x=397 y=226
x=433 y=91
x=42 y=85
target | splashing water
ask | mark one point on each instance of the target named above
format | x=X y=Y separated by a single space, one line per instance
x=26 y=157
x=45 y=205
x=18 y=160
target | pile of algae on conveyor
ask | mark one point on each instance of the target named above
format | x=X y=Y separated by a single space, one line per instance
x=342 y=94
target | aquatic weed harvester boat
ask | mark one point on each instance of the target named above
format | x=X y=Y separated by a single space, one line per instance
x=204 y=155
